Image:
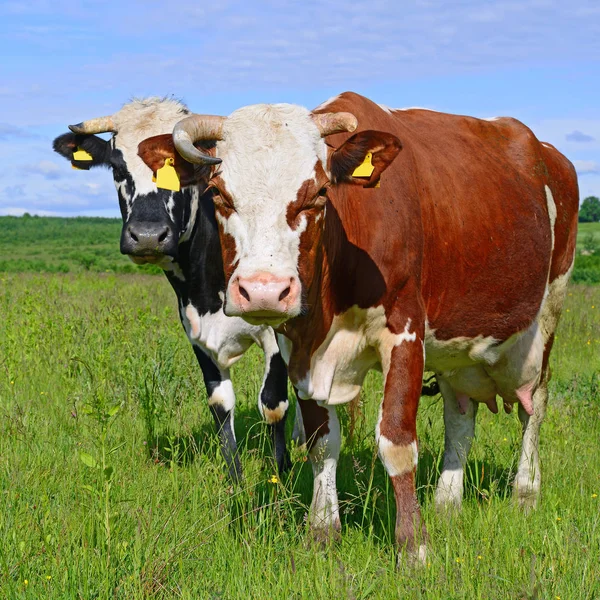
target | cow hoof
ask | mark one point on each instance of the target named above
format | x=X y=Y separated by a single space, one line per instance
x=412 y=558
x=526 y=497
x=323 y=536
x=447 y=502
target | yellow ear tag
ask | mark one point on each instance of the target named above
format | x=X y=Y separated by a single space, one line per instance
x=365 y=169
x=81 y=154
x=167 y=178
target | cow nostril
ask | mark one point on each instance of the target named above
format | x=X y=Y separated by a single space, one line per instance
x=244 y=294
x=163 y=236
x=133 y=236
x=285 y=293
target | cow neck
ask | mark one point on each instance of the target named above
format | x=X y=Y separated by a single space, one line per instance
x=201 y=262
x=343 y=278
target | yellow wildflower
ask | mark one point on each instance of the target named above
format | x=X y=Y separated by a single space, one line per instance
x=274 y=479
x=558 y=519
x=48 y=577
x=479 y=557
x=594 y=495
x=25 y=582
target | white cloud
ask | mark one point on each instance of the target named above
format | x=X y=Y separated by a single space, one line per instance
x=18 y=211
x=238 y=45
x=586 y=167
x=220 y=54
x=46 y=168
x=69 y=195
x=589 y=185
x=9 y=131
x=566 y=134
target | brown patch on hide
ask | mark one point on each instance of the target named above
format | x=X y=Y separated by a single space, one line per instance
x=224 y=209
x=316 y=421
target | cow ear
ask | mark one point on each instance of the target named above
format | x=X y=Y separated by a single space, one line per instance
x=68 y=143
x=376 y=149
x=155 y=150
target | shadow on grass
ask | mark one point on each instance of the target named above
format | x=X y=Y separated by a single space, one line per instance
x=252 y=436
x=365 y=493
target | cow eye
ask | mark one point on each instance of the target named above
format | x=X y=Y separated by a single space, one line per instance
x=220 y=200
x=323 y=191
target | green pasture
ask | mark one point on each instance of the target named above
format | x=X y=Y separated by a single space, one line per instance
x=75 y=245
x=586 y=231
x=61 y=245
x=113 y=486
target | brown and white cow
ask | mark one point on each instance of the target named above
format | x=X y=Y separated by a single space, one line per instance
x=457 y=263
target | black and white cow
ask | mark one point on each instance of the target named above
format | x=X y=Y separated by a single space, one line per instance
x=178 y=232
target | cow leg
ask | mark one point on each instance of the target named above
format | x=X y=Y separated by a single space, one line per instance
x=323 y=439
x=459 y=433
x=298 y=433
x=396 y=436
x=221 y=401
x=527 y=483
x=273 y=406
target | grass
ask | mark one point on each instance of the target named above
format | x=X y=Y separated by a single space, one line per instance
x=585 y=231
x=113 y=485
x=63 y=245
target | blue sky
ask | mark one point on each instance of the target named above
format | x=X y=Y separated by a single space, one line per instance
x=536 y=60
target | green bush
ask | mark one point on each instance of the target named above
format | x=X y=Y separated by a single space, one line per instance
x=587 y=269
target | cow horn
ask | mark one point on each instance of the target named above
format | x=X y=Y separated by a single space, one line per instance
x=335 y=122
x=193 y=129
x=99 y=125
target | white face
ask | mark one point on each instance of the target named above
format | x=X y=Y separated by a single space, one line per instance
x=147 y=210
x=135 y=122
x=273 y=156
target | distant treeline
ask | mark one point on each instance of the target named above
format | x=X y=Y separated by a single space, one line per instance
x=71 y=245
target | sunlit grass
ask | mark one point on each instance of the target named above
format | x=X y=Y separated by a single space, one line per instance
x=170 y=525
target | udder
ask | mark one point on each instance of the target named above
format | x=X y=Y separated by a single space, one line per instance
x=472 y=382
x=514 y=376
x=517 y=373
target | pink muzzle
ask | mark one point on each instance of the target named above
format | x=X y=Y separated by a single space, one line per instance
x=264 y=294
